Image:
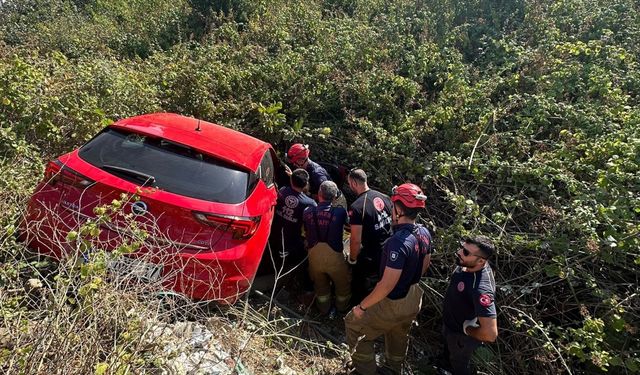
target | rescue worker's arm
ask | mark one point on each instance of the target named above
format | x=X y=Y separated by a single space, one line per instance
x=486 y=332
x=381 y=291
x=425 y=264
x=355 y=241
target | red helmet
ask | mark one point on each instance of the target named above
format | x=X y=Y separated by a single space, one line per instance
x=298 y=153
x=409 y=194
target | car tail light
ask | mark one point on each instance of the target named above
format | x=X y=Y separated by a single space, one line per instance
x=240 y=227
x=57 y=172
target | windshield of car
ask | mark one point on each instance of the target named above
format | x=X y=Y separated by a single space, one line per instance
x=167 y=165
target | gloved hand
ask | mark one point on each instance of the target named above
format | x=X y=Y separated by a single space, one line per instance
x=469 y=323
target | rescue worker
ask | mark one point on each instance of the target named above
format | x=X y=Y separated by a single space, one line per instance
x=469 y=311
x=394 y=303
x=286 y=241
x=298 y=155
x=370 y=222
x=324 y=227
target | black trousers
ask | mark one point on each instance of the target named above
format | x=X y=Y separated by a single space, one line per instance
x=285 y=260
x=458 y=349
x=364 y=276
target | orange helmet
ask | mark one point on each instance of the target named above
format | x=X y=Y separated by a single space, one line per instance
x=409 y=194
x=298 y=153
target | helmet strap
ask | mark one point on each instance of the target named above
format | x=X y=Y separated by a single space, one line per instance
x=398 y=215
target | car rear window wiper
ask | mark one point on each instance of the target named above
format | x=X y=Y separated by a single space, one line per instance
x=138 y=176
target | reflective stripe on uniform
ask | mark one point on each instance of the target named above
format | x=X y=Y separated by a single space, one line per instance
x=395 y=358
x=360 y=357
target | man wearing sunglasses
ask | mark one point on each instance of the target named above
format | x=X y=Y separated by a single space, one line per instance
x=392 y=306
x=469 y=313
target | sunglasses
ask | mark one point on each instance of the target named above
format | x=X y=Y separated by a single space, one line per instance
x=466 y=251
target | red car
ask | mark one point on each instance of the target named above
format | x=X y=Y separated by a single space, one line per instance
x=203 y=193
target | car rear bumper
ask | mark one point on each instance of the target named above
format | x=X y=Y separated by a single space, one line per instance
x=206 y=276
x=222 y=275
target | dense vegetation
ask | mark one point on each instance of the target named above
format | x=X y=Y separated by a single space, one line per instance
x=520 y=118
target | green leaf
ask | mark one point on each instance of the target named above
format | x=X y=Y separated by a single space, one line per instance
x=618 y=323
x=616 y=361
x=72 y=235
x=554 y=270
x=575 y=349
x=632 y=364
x=297 y=125
x=101 y=368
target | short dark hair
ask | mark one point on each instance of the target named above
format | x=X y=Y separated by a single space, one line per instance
x=484 y=244
x=299 y=178
x=358 y=175
x=410 y=212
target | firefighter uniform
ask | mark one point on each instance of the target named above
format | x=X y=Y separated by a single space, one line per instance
x=324 y=227
x=371 y=210
x=469 y=295
x=317 y=175
x=394 y=315
x=286 y=242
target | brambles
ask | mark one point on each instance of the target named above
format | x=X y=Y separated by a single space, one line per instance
x=519 y=119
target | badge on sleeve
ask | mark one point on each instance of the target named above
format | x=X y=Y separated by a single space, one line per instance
x=486 y=300
x=378 y=203
x=460 y=286
x=394 y=256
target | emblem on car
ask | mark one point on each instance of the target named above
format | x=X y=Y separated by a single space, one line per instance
x=139 y=208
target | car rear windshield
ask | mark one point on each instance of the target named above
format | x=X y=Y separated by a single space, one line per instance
x=168 y=166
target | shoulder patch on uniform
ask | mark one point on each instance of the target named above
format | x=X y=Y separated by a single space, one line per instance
x=378 y=203
x=460 y=286
x=393 y=256
x=291 y=201
x=486 y=300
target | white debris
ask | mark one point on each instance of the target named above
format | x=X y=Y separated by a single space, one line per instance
x=192 y=349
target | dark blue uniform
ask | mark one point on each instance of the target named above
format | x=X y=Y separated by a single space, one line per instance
x=394 y=315
x=405 y=251
x=317 y=175
x=325 y=231
x=324 y=226
x=470 y=295
x=287 y=221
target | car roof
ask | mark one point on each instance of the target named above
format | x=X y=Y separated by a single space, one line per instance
x=227 y=144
